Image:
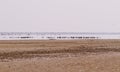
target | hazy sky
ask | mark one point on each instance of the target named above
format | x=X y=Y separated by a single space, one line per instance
x=60 y=15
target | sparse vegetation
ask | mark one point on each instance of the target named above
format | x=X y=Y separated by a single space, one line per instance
x=86 y=55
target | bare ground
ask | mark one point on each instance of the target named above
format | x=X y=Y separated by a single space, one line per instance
x=60 y=56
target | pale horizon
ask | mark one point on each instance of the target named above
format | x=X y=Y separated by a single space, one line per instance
x=59 y=16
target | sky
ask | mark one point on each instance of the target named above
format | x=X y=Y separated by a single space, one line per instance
x=59 y=15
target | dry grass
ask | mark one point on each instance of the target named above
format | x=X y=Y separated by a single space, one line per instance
x=60 y=56
x=55 y=53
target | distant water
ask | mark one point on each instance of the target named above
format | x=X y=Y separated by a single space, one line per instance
x=58 y=35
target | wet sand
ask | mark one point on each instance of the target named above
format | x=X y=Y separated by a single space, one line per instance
x=60 y=56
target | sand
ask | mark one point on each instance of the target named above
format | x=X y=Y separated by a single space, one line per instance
x=60 y=56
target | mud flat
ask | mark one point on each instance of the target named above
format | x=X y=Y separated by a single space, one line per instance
x=60 y=55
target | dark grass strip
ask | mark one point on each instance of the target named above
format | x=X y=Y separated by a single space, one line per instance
x=47 y=53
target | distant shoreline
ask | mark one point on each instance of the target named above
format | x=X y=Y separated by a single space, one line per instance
x=58 y=35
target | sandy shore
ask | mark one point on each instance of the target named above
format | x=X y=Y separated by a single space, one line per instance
x=60 y=56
